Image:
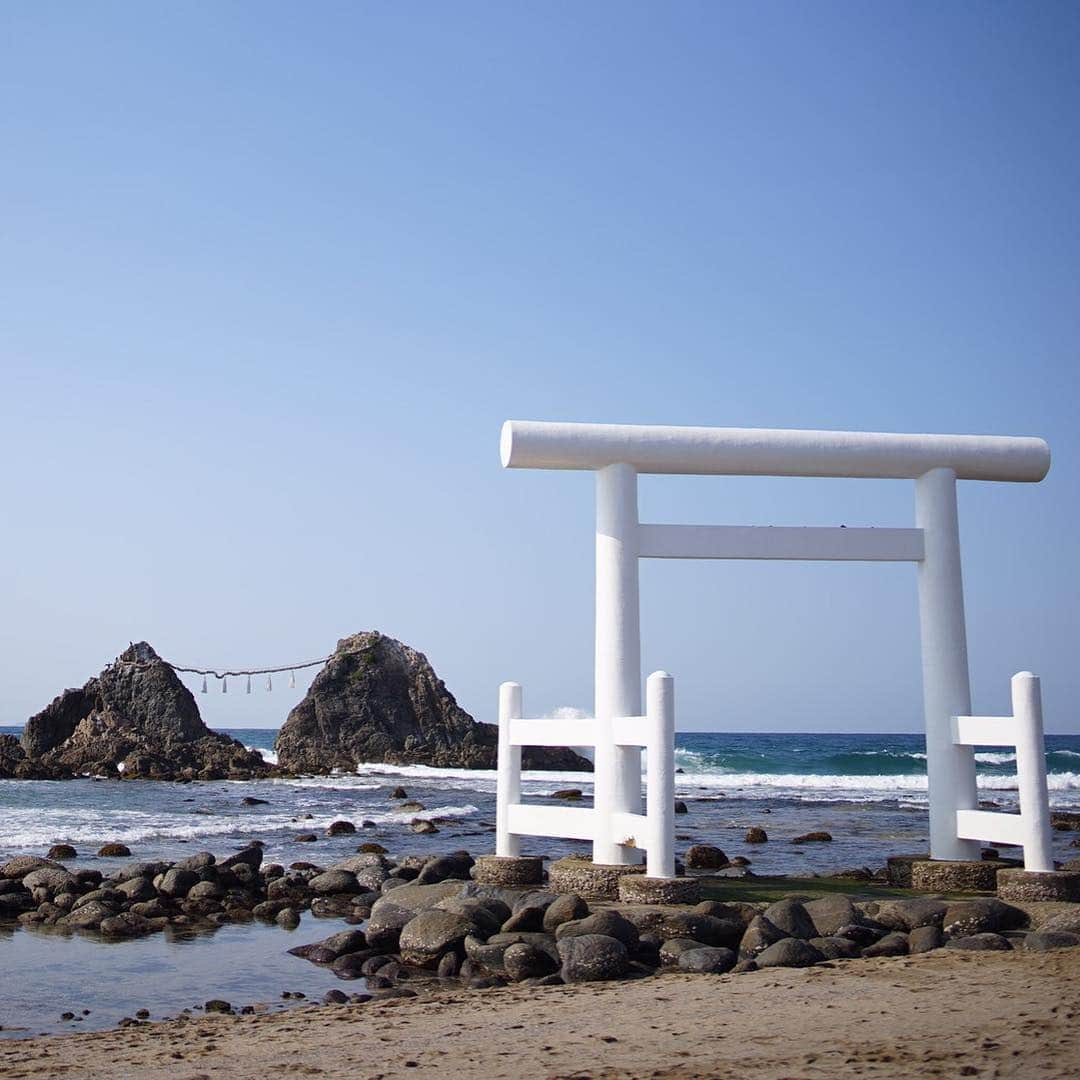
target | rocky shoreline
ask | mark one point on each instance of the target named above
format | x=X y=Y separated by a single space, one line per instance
x=418 y=924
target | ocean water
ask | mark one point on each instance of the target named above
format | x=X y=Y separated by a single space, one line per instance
x=868 y=791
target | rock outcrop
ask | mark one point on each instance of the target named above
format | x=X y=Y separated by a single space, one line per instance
x=378 y=700
x=136 y=718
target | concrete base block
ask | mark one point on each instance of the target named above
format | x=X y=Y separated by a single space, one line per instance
x=1029 y=885
x=510 y=871
x=591 y=881
x=945 y=875
x=641 y=889
x=899 y=868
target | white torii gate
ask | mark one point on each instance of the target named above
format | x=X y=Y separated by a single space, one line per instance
x=618 y=453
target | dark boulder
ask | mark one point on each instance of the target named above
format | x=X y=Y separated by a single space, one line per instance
x=670 y=951
x=705 y=857
x=925 y=939
x=791 y=952
x=523 y=961
x=428 y=936
x=114 y=851
x=483 y=915
x=53 y=879
x=606 y=923
x=567 y=908
x=1045 y=940
x=790 y=917
x=350 y=965
x=984 y=942
x=251 y=856
x=758 y=936
x=334 y=882
x=385 y=925
x=836 y=948
x=707 y=961
x=445 y=868
x=377 y=700
x=177 y=882
x=21 y=865
x=894 y=944
x=1067 y=921
x=911 y=914
x=830 y=913
x=985 y=914
x=592 y=958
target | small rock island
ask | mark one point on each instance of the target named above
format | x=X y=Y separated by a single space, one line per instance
x=135 y=718
x=378 y=700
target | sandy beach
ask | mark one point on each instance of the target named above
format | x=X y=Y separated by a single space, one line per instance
x=939 y=1014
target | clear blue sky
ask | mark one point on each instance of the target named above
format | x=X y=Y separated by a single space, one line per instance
x=274 y=274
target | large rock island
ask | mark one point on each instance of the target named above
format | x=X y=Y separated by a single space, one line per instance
x=137 y=718
x=378 y=700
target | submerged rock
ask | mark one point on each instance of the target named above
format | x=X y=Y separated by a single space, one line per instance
x=377 y=700
x=136 y=719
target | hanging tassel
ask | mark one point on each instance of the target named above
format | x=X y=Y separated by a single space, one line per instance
x=292 y=680
x=204 y=684
x=224 y=684
x=249 y=684
x=269 y=684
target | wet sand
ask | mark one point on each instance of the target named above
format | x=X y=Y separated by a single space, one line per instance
x=940 y=1014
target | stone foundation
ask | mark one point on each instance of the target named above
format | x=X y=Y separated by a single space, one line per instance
x=1030 y=886
x=591 y=881
x=944 y=875
x=641 y=889
x=509 y=871
x=899 y=868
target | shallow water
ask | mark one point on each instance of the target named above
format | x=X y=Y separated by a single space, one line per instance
x=46 y=973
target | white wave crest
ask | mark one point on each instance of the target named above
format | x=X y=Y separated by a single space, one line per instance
x=30 y=828
x=269 y=756
x=889 y=753
x=995 y=758
x=567 y=712
x=884 y=784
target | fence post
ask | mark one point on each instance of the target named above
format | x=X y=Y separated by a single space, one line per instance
x=1031 y=771
x=508 y=780
x=660 y=772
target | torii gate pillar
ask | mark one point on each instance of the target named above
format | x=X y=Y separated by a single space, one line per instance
x=950 y=768
x=618 y=646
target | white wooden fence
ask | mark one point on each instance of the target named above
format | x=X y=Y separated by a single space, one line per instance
x=602 y=823
x=1030 y=829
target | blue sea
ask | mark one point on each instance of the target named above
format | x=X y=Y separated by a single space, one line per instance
x=868 y=791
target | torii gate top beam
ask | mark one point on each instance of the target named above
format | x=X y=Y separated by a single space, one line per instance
x=708 y=451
